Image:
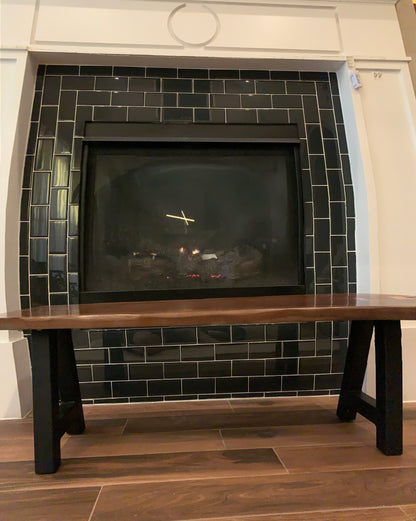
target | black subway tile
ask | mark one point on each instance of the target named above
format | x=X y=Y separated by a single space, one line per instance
x=27 y=171
x=332 y=153
x=159 y=99
x=73 y=254
x=84 y=114
x=127 y=98
x=231 y=351
x=342 y=139
x=282 y=101
x=314 y=76
x=297 y=383
x=24 y=275
x=264 y=350
x=39 y=291
x=339 y=250
x=39 y=221
x=130 y=355
x=57 y=237
x=64 y=137
x=73 y=288
x=107 y=338
x=57 y=273
x=338 y=218
x=296 y=116
x=144 y=114
x=239 y=86
x=95 y=390
x=198 y=386
x=337 y=109
x=336 y=185
x=209 y=116
x=78 y=82
x=334 y=83
x=67 y=105
x=24 y=238
x=314 y=135
x=130 y=388
x=62 y=70
x=328 y=381
x=162 y=354
x=225 y=100
x=180 y=370
x=312 y=365
x=73 y=219
x=248 y=333
x=232 y=385
x=282 y=366
x=324 y=95
x=51 y=89
x=58 y=299
x=144 y=337
x=108 y=83
x=40 y=188
x=179 y=335
x=59 y=203
x=36 y=106
x=247 y=367
x=307 y=330
x=282 y=331
x=129 y=71
x=96 y=70
x=270 y=87
x=182 y=114
x=265 y=383
x=245 y=116
x=24 y=205
x=145 y=371
x=44 y=152
x=328 y=124
x=197 y=352
x=209 y=86
x=318 y=171
x=161 y=72
x=31 y=142
x=144 y=85
x=256 y=101
x=110 y=113
x=164 y=387
x=223 y=74
x=40 y=75
x=284 y=75
x=193 y=100
x=94 y=97
x=38 y=256
x=310 y=106
x=321 y=237
x=84 y=374
x=214 y=334
x=300 y=87
x=74 y=187
x=254 y=74
x=323 y=265
x=176 y=85
x=192 y=73
x=320 y=200
x=109 y=372
x=212 y=368
x=275 y=116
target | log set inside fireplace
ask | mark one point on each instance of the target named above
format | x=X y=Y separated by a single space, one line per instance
x=190 y=211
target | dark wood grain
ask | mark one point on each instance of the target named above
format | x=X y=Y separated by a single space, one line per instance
x=239 y=310
x=200 y=499
x=73 y=504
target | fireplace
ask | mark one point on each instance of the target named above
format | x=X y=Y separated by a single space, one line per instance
x=190 y=211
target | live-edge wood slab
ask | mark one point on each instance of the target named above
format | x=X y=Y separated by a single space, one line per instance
x=238 y=310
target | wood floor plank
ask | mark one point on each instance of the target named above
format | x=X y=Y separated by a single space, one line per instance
x=16 y=449
x=16 y=429
x=135 y=410
x=326 y=458
x=85 y=445
x=362 y=514
x=73 y=504
x=201 y=499
x=201 y=420
x=410 y=511
x=91 y=471
x=297 y=435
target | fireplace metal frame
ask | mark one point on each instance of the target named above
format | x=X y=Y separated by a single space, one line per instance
x=166 y=132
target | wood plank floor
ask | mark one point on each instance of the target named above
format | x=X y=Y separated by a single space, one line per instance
x=282 y=459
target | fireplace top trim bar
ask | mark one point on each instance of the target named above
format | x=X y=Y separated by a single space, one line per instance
x=186 y=132
x=215 y=311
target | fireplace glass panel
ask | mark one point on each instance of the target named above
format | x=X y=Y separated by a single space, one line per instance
x=162 y=218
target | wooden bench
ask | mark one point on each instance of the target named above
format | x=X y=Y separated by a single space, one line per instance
x=57 y=406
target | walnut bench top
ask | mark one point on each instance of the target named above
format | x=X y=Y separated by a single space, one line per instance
x=215 y=311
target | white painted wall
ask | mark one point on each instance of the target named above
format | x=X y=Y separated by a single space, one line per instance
x=292 y=34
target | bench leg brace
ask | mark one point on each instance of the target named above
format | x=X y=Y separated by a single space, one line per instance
x=386 y=412
x=57 y=406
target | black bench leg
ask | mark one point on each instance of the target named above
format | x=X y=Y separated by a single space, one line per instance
x=57 y=406
x=45 y=402
x=68 y=382
x=389 y=416
x=355 y=367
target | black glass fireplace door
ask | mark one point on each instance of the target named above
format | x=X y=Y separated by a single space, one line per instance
x=178 y=220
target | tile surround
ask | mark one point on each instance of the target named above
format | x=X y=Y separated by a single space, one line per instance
x=205 y=362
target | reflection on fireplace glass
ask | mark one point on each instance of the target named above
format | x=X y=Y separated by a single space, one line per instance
x=177 y=216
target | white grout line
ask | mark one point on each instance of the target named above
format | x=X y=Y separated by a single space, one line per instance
x=95 y=504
